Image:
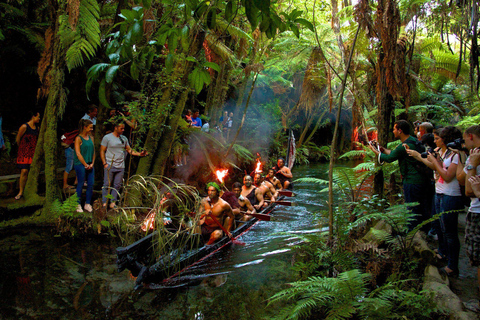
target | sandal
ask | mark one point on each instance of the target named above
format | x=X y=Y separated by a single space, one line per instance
x=18 y=196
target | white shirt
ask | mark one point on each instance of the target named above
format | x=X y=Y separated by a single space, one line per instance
x=474 y=202
x=451 y=188
x=87 y=117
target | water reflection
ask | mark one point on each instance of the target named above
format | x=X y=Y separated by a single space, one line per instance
x=44 y=277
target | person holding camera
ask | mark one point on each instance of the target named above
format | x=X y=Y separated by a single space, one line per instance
x=415 y=184
x=448 y=195
x=467 y=174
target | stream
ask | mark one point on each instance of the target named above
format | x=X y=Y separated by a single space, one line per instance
x=45 y=277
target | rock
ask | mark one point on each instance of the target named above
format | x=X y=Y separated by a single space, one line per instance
x=433 y=275
x=421 y=246
x=444 y=297
x=371 y=235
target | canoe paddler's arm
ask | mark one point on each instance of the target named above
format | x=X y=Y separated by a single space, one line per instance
x=260 y=199
x=250 y=208
x=228 y=211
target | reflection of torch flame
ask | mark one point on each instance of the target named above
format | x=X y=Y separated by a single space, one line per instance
x=258 y=169
x=149 y=221
x=221 y=174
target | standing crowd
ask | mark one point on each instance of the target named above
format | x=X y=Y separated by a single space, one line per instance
x=80 y=155
x=440 y=170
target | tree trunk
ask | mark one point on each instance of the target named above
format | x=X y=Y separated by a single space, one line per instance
x=164 y=108
x=168 y=138
x=304 y=132
x=156 y=128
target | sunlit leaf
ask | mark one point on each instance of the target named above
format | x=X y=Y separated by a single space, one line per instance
x=110 y=74
x=102 y=97
x=212 y=65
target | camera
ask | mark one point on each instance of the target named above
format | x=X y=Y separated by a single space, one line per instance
x=456 y=144
x=429 y=150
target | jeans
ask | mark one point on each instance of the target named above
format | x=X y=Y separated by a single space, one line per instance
x=112 y=175
x=82 y=176
x=69 y=159
x=448 y=237
x=418 y=193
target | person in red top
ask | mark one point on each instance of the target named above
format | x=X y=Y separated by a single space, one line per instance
x=27 y=141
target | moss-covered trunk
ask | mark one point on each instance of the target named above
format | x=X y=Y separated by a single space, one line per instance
x=168 y=137
x=155 y=132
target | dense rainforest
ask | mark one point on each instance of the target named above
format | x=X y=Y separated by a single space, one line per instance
x=274 y=64
x=330 y=71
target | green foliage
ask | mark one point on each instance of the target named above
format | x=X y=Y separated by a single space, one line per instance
x=70 y=222
x=332 y=298
x=66 y=209
x=82 y=40
x=346 y=180
x=469 y=121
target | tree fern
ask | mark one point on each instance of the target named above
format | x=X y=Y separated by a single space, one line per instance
x=336 y=297
x=83 y=39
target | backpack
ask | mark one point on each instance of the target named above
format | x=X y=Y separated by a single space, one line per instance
x=421 y=167
x=69 y=137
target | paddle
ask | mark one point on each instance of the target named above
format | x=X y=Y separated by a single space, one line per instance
x=225 y=231
x=286 y=193
x=259 y=216
x=283 y=203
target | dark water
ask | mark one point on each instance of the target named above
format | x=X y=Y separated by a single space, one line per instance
x=43 y=277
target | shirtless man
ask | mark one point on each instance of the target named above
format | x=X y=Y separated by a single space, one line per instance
x=245 y=205
x=273 y=180
x=283 y=173
x=267 y=189
x=214 y=212
x=253 y=194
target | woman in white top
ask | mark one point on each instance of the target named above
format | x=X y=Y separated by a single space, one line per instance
x=448 y=196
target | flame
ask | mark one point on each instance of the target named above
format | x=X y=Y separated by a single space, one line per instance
x=149 y=221
x=221 y=174
x=258 y=169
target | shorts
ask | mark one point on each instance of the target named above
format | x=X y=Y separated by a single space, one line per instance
x=22 y=166
x=472 y=238
x=69 y=154
x=207 y=231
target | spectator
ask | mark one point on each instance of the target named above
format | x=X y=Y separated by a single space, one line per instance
x=415 y=183
x=223 y=119
x=27 y=141
x=229 y=124
x=68 y=142
x=467 y=175
x=206 y=125
x=112 y=152
x=188 y=116
x=448 y=195
x=84 y=160
x=425 y=127
x=196 y=121
x=91 y=114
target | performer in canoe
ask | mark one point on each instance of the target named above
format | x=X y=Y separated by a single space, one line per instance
x=252 y=193
x=267 y=190
x=245 y=205
x=283 y=173
x=273 y=180
x=214 y=211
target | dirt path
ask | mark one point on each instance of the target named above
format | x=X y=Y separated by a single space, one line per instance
x=465 y=286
